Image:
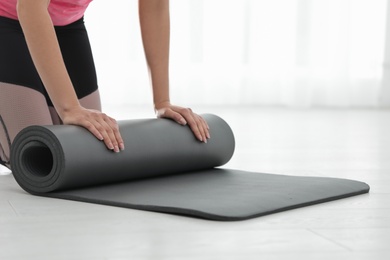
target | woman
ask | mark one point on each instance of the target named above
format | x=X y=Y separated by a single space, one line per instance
x=47 y=73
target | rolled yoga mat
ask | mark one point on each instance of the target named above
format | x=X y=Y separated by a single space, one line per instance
x=163 y=169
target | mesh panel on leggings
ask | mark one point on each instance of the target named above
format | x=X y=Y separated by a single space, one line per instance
x=19 y=107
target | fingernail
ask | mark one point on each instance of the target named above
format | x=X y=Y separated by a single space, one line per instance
x=183 y=122
x=200 y=138
x=208 y=135
x=116 y=149
x=205 y=141
x=122 y=146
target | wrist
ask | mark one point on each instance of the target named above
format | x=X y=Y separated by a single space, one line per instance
x=64 y=111
x=161 y=104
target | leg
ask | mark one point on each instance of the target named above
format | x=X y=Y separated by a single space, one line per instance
x=19 y=107
x=91 y=101
x=77 y=54
x=22 y=106
x=22 y=95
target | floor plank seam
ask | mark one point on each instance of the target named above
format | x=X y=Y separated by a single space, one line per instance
x=13 y=208
x=330 y=240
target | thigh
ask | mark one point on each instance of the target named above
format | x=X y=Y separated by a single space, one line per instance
x=92 y=101
x=16 y=65
x=19 y=107
x=23 y=99
x=77 y=54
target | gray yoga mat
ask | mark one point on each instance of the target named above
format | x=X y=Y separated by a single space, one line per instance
x=163 y=169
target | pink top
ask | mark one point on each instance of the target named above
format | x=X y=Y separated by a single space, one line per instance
x=62 y=12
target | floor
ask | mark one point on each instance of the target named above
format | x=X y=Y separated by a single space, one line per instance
x=352 y=144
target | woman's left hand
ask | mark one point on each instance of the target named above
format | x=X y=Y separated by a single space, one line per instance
x=185 y=116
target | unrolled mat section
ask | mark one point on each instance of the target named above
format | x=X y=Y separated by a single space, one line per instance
x=164 y=169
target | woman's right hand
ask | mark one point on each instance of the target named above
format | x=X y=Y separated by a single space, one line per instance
x=45 y=51
x=103 y=127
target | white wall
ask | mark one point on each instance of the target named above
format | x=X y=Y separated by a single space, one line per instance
x=296 y=53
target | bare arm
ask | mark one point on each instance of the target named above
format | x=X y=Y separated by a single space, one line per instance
x=45 y=52
x=155 y=29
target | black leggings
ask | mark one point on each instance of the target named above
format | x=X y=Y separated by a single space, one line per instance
x=16 y=66
x=23 y=97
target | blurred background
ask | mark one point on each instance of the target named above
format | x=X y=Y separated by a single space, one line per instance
x=302 y=83
x=284 y=53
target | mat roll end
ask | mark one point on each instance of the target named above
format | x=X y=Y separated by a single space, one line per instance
x=36 y=160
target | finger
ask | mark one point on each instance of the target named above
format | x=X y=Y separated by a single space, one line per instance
x=193 y=124
x=115 y=127
x=101 y=126
x=110 y=129
x=169 y=113
x=205 y=127
x=201 y=127
x=101 y=122
x=91 y=128
x=194 y=121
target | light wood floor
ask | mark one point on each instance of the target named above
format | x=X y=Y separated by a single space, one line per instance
x=352 y=144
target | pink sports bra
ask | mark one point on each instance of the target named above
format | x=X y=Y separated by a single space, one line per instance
x=62 y=12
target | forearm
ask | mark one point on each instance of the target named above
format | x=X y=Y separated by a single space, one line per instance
x=45 y=52
x=155 y=29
